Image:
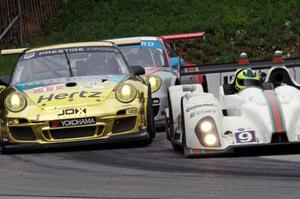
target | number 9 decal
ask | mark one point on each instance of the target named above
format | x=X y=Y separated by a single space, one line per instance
x=245 y=137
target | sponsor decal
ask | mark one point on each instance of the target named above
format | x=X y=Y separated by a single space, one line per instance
x=151 y=44
x=69 y=51
x=188 y=109
x=92 y=85
x=72 y=111
x=193 y=114
x=48 y=89
x=188 y=88
x=72 y=122
x=29 y=55
x=245 y=137
x=69 y=96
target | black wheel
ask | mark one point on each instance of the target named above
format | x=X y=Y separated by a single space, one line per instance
x=150 y=117
x=170 y=133
x=183 y=132
x=2 y=145
x=182 y=124
x=167 y=127
x=177 y=147
x=204 y=84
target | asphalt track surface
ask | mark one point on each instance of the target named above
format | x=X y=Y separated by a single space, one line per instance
x=155 y=171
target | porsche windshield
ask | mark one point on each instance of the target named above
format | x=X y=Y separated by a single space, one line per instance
x=83 y=61
x=145 y=57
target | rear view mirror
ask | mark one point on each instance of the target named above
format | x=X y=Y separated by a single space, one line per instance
x=137 y=70
x=175 y=62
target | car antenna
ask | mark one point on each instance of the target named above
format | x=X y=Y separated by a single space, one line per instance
x=69 y=64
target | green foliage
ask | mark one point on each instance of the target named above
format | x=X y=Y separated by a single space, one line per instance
x=6 y=64
x=258 y=27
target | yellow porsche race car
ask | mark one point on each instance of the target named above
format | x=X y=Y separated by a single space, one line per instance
x=74 y=93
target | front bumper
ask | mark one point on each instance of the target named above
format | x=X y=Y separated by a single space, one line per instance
x=25 y=131
x=261 y=149
x=134 y=137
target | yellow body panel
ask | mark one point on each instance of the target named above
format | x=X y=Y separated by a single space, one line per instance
x=12 y=51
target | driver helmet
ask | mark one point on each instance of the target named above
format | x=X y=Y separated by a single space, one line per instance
x=245 y=78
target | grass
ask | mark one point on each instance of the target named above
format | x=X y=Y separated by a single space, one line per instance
x=258 y=27
x=6 y=64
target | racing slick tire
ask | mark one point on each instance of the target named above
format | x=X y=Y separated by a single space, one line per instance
x=150 y=118
x=3 y=144
x=183 y=132
x=176 y=146
x=170 y=123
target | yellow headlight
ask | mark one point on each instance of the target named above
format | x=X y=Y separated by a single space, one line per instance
x=15 y=102
x=126 y=93
x=155 y=82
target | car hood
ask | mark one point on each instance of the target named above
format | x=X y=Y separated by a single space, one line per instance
x=73 y=91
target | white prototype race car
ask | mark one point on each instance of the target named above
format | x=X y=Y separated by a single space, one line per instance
x=264 y=115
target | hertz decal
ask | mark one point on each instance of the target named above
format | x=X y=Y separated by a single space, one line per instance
x=70 y=96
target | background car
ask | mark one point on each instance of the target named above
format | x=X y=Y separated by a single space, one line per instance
x=161 y=62
x=259 y=115
x=74 y=93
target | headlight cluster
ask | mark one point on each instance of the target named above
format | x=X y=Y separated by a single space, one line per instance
x=155 y=82
x=207 y=133
x=15 y=102
x=126 y=93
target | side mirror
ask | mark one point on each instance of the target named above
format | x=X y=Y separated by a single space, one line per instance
x=175 y=62
x=137 y=70
x=4 y=80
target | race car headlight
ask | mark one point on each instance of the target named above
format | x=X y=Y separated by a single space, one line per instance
x=126 y=93
x=207 y=133
x=155 y=82
x=210 y=139
x=206 y=126
x=15 y=102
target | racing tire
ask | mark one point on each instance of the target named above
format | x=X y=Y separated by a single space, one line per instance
x=169 y=133
x=204 y=84
x=167 y=127
x=2 y=144
x=184 y=148
x=150 y=119
x=177 y=147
